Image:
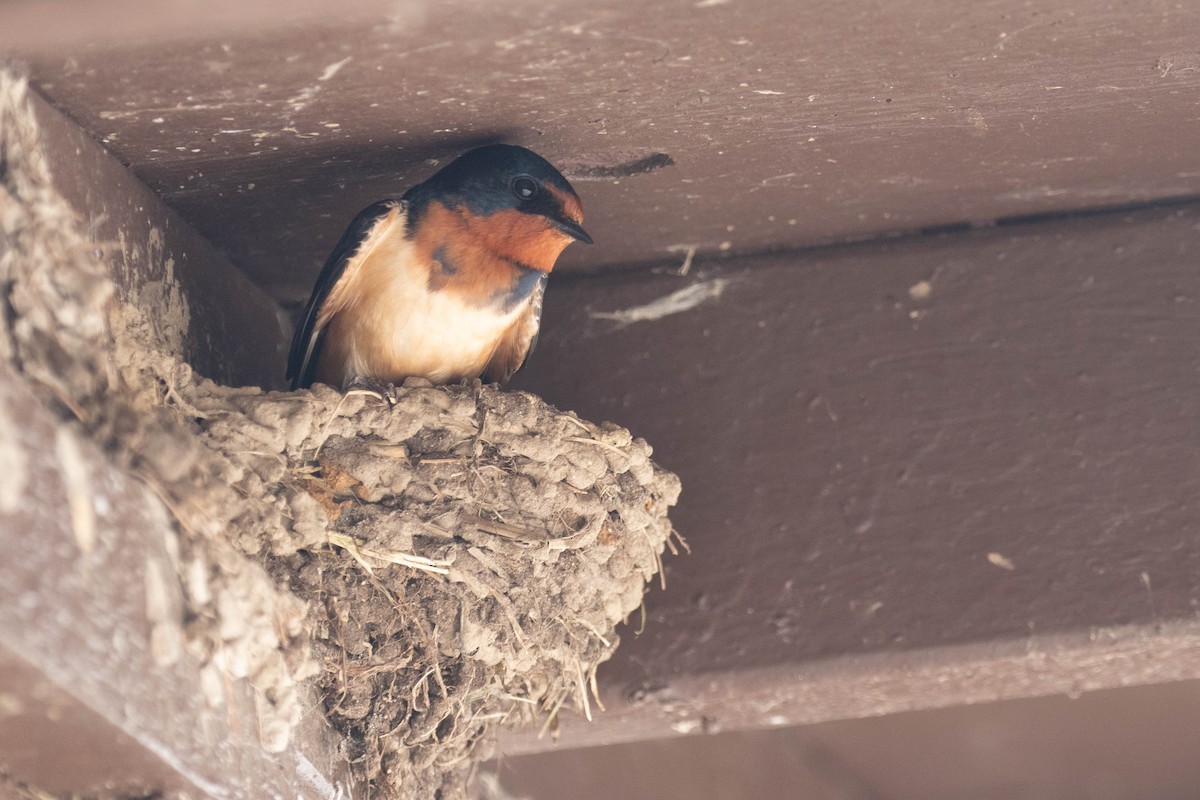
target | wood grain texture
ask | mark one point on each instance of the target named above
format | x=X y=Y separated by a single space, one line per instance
x=723 y=127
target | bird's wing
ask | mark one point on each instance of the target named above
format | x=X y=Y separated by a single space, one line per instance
x=328 y=295
x=519 y=340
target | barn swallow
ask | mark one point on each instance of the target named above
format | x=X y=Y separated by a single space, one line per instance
x=443 y=283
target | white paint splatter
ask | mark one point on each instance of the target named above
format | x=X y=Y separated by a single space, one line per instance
x=300 y=100
x=686 y=726
x=333 y=68
x=166 y=638
x=1001 y=561
x=675 y=303
x=920 y=290
x=308 y=772
x=13 y=477
x=779 y=178
x=78 y=484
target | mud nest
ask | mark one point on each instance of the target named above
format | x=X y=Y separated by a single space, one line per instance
x=465 y=555
x=440 y=568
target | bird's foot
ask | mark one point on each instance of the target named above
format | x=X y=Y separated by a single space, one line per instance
x=383 y=391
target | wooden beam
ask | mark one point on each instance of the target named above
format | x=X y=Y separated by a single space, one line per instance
x=921 y=473
x=730 y=128
x=95 y=696
x=48 y=26
x=212 y=316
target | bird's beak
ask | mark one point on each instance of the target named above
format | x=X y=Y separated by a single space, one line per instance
x=571 y=228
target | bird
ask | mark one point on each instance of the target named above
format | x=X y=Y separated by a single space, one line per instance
x=443 y=283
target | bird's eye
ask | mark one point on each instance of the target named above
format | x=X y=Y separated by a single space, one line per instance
x=524 y=187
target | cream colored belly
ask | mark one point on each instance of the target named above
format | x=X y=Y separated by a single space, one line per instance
x=407 y=331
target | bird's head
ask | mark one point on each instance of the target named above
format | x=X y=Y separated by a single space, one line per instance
x=510 y=198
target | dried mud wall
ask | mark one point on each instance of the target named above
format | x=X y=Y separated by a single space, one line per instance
x=436 y=569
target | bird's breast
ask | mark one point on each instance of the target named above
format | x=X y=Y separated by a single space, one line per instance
x=405 y=325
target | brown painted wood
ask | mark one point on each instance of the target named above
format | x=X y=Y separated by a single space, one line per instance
x=787 y=124
x=921 y=473
x=232 y=332
x=76 y=23
x=1137 y=742
x=89 y=704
